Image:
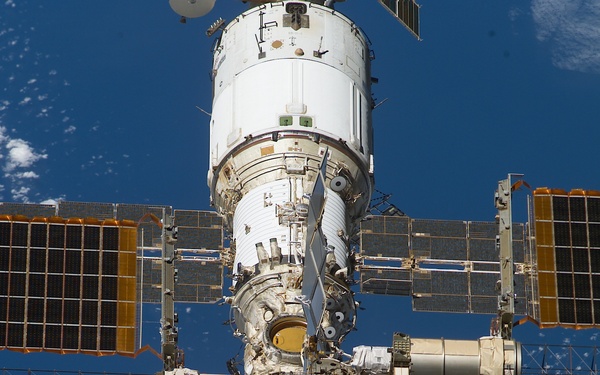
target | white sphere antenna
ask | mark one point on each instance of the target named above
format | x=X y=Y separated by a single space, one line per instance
x=192 y=8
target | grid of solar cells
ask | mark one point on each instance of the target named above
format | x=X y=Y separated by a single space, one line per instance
x=199 y=280
x=28 y=210
x=403 y=237
x=149 y=234
x=199 y=230
x=150 y=280
x=98 y=211
x=438 y=250
x=473 y=292
x=384 y=236
x=407 y=11
x=568 y=257
x=385 y=281
x=67 y=286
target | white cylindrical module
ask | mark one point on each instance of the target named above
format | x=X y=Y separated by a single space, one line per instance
x=264 y=214
x=486 y=356
x=291 y=83
x=268 y=76
x=289 y=76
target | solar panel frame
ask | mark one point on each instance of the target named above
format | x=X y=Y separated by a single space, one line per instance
x=483 y=305
x=405 y=11
x=199 y=280
x=444 y=249
x=432 y=303
x=567 y=257
x=394 y=242
x=56 y=297
x=100 y=211
x=395 y=246
x=27 y=209
x=385 y=281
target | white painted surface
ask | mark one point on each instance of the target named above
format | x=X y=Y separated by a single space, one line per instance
x=251 y=94
x=256 y=220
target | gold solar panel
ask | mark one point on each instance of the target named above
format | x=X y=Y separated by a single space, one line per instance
x=567 y=233
x=68 y=285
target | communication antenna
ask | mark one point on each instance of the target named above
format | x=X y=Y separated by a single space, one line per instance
x=192 y=8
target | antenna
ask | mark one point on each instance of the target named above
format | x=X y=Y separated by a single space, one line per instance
x=192 y=8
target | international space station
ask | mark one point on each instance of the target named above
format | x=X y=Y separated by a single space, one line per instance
x=295 y=228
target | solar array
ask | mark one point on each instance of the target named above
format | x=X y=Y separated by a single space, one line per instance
x=407 y=12
x=72 y=275
x=199 y=267
x=68 y=285
x=444 y=265
x=199 y=280
x=567 y=228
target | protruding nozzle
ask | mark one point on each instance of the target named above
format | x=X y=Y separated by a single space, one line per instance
x=275 y=251
x=263 y=256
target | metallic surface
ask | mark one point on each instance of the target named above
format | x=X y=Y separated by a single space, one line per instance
x=506 y=297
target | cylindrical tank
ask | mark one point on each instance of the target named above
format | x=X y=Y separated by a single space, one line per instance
x=486 y=356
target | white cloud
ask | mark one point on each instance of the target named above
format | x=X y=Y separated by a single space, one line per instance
x=18 y=158
x=3 y=137
x=514 y=13
x=572 y=28
x=25 y=100
x=20 y=155
x=27 y=175
x=20 y=194
x=70 y=130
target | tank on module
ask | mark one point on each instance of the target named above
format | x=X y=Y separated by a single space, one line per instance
x=291 y=172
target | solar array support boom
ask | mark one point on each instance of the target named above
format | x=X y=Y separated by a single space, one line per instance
x=506 y=296
x=170 y=353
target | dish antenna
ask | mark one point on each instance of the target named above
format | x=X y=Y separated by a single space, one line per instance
x=192 y=8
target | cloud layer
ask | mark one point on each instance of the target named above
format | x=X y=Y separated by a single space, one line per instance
x=18 y=158
x=573 y=30
x=30 y=115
